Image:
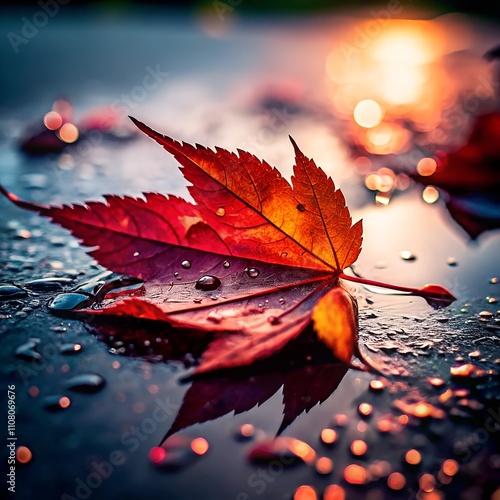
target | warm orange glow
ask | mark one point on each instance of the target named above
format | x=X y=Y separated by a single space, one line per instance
x=430 y=194
x=368 y=113
x=303 y=451
x=467 y=370
x=23 y=455
x=385 y=424
x=247 y=430
x=334 y=492
x=450 y=467
x=358 y=447
x=324 y=465
x=64 y=402
x=396 y=481
x=381 y=135
x=379 y=468
x=153 y=389
x=33 y=391
x=402 y=182
x=420 y=410
x=426 y=166
x=403 y=419
x=328 y=436
x=199 y=446
x=341 y=420
x=52 y=120
x=305 y=492
x=365 y=409
x=355 y=474
x=362 y=426
x=68 y=133
x=427 y=483
x=373 y=182
x=413 y=457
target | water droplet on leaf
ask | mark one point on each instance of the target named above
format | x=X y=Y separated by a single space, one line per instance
x=221 y=211
x=252 y=272
x=226 y=264
x=186 y=264
x=207 y=283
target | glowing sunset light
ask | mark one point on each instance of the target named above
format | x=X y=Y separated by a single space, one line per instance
x=368 y=113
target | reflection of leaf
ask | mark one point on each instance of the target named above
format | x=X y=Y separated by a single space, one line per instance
x=304 y=388
x=305 y=370
x=470 y=176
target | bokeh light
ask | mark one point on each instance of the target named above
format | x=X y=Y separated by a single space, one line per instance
x=368 y=113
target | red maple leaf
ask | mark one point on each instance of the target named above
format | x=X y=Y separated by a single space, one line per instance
x=255 y=259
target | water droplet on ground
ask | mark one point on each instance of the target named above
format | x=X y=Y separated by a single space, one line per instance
x=408 y=256
x=56 y=402
x=486 y=314
x=305 y=492
x=177 y=452
x=71 y=301
x=376 y=385
x=396 y=481
x=288 y=449
x=186 y=264
x=23 y=455
x=59 y=329
x=28 y=350
x=70 y=348
x=358 y=448
x=252 y=272
x=365 y=409
x=328 y=436
x=452 y=262
x=47 y=284
x=494 y=280
x=413 y=457
x=8 y=292
x=436 y=382
x=207 y=283
x=86 y=382
x=244 y=432
x=355 y=474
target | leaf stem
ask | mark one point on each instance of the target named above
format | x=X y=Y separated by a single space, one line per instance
x=405 y=289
